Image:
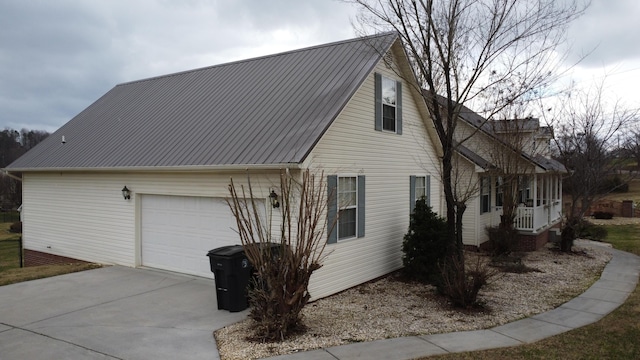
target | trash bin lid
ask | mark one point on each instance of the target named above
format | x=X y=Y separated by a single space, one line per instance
x=226 y=251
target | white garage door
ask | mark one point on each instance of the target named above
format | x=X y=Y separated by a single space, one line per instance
x=178 y=231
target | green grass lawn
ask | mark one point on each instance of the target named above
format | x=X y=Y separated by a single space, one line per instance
x=10 y=270
x=624 y=237
x=616 y=336
x=9 y=248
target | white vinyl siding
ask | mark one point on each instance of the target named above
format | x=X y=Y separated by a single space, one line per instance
x=352 y=145
x=84 y=216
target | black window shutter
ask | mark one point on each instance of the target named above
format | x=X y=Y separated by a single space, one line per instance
x=412 y=193
x=378 y=102
x=399 y=108
x=332 y=209
x=427 y=191
x=361 y=206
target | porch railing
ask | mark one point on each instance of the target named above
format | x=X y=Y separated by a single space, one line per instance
x=531 y=218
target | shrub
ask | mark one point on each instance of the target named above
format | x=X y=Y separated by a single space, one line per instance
x=502 y=241
x=592 y=232
x=614 y=184
x=461 y=285
x=425 y=245
x=16 y=227
x=604 y=215
x=280 y=290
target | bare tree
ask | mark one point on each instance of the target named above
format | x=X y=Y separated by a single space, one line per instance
x=280 y=292
x=631 y=147
x=14 y=144
x=588 y=126
x=492 y=52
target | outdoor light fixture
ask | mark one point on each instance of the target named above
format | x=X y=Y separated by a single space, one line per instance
x=126 y=193
x=274 y=199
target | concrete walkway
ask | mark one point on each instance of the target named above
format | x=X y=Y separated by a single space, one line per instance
x=617 y=282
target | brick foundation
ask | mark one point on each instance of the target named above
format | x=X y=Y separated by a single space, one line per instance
x=526 y=242
x=35 y=258
x=533 y=242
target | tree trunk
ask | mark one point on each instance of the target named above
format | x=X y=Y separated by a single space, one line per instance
x=447 y=169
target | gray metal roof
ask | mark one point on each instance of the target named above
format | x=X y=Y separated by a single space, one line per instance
x=267 y=110
x=474 y=157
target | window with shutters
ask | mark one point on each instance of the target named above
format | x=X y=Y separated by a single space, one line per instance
x=347 y=207
x=485 y=194
x=389 y=102
x=388 y=112
x=419 y=188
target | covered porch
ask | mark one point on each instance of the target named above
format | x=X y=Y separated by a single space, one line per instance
x=539 y=202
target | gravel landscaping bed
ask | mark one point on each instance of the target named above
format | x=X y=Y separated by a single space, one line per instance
x=390 y=307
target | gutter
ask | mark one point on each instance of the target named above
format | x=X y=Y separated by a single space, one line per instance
x=5 y=172
x=188 y=168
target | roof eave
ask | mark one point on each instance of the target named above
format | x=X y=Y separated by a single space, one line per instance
x=188 y=168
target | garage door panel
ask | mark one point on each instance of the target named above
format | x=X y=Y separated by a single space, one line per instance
x=177 y=232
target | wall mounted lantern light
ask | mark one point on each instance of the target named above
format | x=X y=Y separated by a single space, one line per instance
x=274 y=199
x=126 y=193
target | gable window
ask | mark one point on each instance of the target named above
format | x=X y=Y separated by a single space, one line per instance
x=388 y=104
x=485 y=194
x=345 y=213
x=419 y=188
x=388 y=112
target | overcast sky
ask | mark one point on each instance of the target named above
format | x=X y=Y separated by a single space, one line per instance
x=57 y=57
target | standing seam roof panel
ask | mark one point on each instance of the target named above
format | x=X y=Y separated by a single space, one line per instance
x=268 y=110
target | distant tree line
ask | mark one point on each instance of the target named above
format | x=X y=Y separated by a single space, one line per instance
x=13 y=144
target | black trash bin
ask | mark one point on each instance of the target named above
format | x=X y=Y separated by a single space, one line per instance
x=232 y=272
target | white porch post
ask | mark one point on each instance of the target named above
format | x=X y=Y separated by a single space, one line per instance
x=535 y=190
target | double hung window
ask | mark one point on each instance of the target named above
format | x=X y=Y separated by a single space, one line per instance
x=388 y=102
x=485 y=194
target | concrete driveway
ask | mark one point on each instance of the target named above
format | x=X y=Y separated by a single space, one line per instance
x=111 y=313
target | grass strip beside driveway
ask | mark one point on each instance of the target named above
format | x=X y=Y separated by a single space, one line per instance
x=10 y=270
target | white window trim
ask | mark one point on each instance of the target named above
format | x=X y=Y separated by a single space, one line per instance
x=355 y=206
x=395 y=107
x=488 y=195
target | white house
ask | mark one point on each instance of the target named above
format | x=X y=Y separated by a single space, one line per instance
x=176 y=140
x=491 y=149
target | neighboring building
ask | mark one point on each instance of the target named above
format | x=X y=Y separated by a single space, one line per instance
x=495 y=150
x=175 y=142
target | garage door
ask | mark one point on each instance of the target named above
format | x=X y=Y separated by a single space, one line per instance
x=178 y=231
